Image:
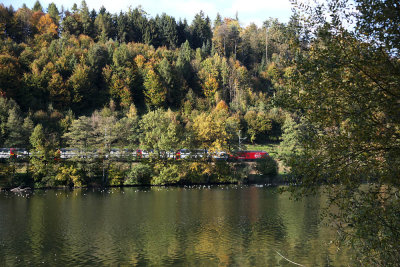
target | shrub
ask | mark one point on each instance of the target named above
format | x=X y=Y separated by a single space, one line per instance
x=69 y=175
x=195 y=172
x=241 y=171
x=267 y=166
x=222 y=172
x=169 y=174
x=140 y=174
x=115 y=175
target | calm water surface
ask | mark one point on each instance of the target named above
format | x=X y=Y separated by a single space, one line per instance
x=198 y=226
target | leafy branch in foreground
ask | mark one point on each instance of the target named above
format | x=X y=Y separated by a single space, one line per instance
x=347 y=93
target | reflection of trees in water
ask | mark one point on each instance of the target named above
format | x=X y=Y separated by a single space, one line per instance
x=306 y=240
x=165 y=226
x=13 y=215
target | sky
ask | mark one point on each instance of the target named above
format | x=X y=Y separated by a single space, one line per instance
x=248 y=11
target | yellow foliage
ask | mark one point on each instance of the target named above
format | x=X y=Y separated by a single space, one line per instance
x=85 y=41
x=46 y=25
x=68 y=174
x=201 y=168
x=213 y=131
x=221 y=105
x=58 y=89
x=140 y=60
x=155 y=92
x=132 y=113
x=210 y=87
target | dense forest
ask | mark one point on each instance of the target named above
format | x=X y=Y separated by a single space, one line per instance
x=57 y=66
x=95 y=81
x=326 y=84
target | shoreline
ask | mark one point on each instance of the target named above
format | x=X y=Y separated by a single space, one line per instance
x=274 y=184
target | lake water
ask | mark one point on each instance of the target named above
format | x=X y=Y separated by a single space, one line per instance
x=188 y=226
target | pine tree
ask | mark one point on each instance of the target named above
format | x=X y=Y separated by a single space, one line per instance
x=37 y=6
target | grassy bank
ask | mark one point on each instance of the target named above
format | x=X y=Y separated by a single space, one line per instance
x=272 y=148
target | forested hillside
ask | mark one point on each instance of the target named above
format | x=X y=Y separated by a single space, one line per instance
x=95 y=81
x=57 y=65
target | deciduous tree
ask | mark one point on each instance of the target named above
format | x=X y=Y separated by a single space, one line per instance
x=348 y=90
x=160 y=130
x=155 y=92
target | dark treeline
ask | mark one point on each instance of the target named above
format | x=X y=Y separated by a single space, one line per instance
x=134 y=25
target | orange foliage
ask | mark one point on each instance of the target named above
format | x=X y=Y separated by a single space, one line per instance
x=46 y=25
x=35 y=18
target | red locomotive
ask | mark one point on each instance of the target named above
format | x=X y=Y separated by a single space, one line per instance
x=248 y=155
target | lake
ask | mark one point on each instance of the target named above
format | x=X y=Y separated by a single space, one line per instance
x=161 y=226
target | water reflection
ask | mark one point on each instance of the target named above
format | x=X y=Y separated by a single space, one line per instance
x=209 y=226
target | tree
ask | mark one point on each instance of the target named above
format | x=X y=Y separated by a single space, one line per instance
x=72 y=25
x=160 y=130
x=10 y=123
x=80 y=134
x=150 y=33
x=258 y=124
x=252 y=46
x=10 y=74
x=226 y=37
x=378 y=22
x=27 y=129
x=53 y=12
x=168 y=28
x=183 y=31
x=5 y=19
x=346 y=90
x=210 y=87
x=136 y=22
x=290 y=147
x=217 y=130
x=47 y=26
x=121 y=76
x=155 y=92
x=169 y=80
x=14 y=129
x=183 y=62
x=59 y=93
x=93 y=137
x=128 y=129
x=200 y=30
x=210 y=76
x=23 y=18
x=81 y=86
x=81 y=137
x=42 y=159
x=37 y=6
x=87 y=22
x=217 y=21
x=104 y=25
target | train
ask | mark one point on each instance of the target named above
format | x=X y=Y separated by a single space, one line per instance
x=180 y=154
x=6 y=153
x=248 y=155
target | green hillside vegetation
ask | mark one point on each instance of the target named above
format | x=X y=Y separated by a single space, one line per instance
x=96 y=81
